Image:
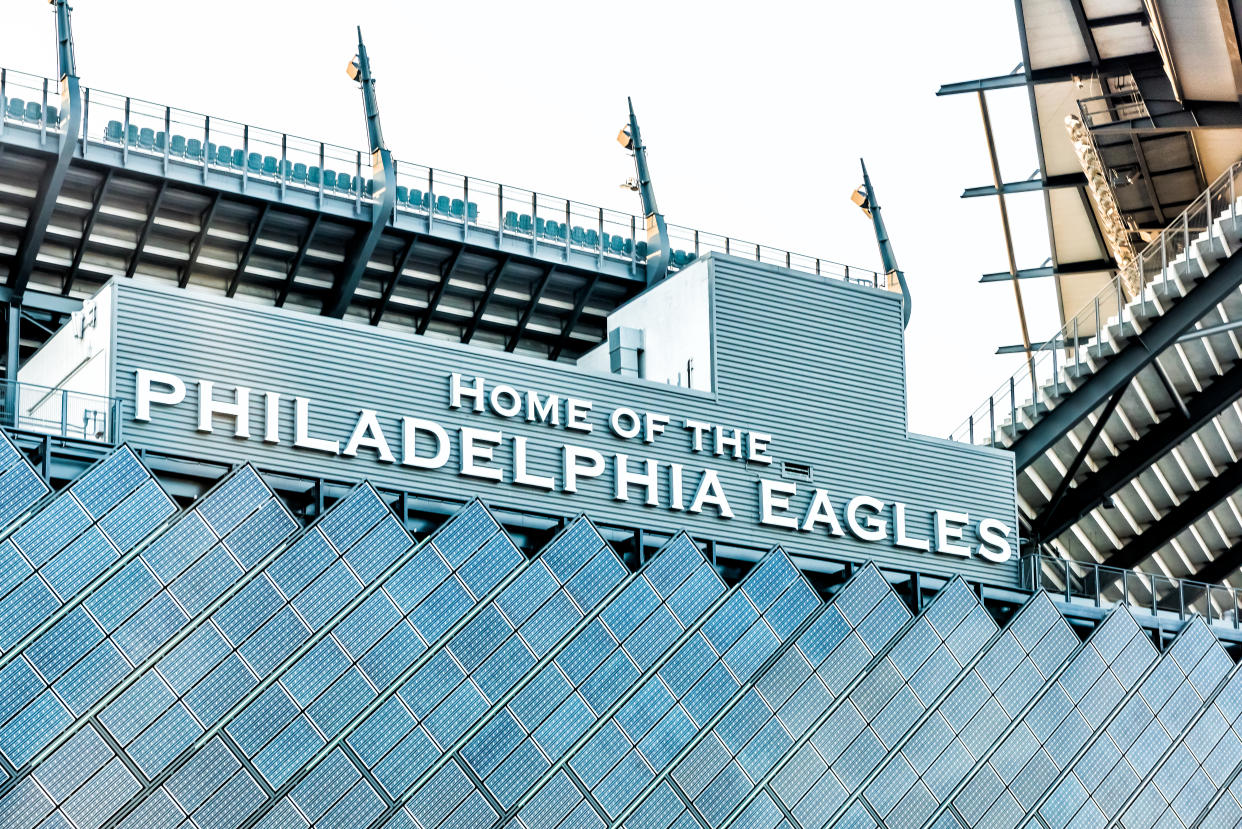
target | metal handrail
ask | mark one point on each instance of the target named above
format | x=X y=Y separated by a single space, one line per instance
x=1026 y=393
x=1109 y=108
x=60 y=412
x=469 y=204
x=1087 y=583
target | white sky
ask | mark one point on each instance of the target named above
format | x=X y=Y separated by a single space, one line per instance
x=755 y=115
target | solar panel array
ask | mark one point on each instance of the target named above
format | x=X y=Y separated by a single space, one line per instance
x=222 y=667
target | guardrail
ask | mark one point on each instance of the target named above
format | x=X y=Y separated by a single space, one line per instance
x=1110 y=108
x=60 y=412
x=1018 y=399
x=1094 y=585
x=449 y=202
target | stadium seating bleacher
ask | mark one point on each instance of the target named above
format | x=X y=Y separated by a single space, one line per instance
x=345 y=184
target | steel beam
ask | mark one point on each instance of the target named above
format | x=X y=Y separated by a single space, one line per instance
x=297 y=260
x=1148 y=182
x=1084 y=29
x=245 y=257
x=1059 y=74
x=1070 y=471
x=398 y=265
x=1061 y=269
x=572 y=321
x=196 y=247
x=1177 y=519
x=493 y=279
x=535 y=295
x=1028 y=186
x=87 y=227
x=447 y=268
x=982 y=84
x=146 y=230
x=1139 y=456
x=40 y=301
x=1138 y=353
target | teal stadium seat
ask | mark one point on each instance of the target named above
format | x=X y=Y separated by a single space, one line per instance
x=344 y=182
x=312 y=176
x=254 y=162
x=299 y=172
x=133 y=135
x=271 y=165
x=329 y=179
x=457 y=209
x=239 y=158
x=194 y=149
x=53 y=116
x=34 y=112
x=146 y=138
x=224 y=156
x=640 y=249
x=525 y=224
x=617 y=245
x=159 y=141
x=540 y=228
x=177 y=147
x=15 y=108
x=511 y=221
x=472 y=213
x=592 y=239
x=577 y=236
x=114 y=132
x=442 y=205
x=403 y=195
x=416 y=198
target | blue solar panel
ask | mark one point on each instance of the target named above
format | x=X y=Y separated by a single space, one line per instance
x=109 y=481
x=20 y=489
x=349 y=679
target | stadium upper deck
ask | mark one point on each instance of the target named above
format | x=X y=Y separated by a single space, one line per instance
x=201 y=201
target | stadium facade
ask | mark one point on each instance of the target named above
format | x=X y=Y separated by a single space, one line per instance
x=332 y=505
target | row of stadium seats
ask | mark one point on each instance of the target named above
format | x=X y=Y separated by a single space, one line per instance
x=521 y=223
x=31 y=112
x=191 y=149
x=146 y=138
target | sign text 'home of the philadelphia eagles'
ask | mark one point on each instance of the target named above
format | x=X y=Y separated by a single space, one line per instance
x=747 y=405
x=419 y=442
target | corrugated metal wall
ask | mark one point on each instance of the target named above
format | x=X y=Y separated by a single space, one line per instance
x=817 y=363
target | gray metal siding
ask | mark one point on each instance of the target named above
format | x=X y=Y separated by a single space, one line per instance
x=818 y=364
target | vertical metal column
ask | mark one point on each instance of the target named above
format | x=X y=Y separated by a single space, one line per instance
x=1004 y=211
x=12 y=361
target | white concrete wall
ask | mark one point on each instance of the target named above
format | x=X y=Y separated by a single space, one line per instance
x=67 y=379
x=675 y=318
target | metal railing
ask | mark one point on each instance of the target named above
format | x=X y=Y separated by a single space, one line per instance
x=1103 y=110
x=1094 y=585
x=450 y=203
x=1068 y=353
x=60 y=412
